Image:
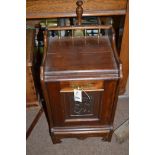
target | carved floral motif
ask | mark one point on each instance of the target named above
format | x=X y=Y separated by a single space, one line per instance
x=84 y=107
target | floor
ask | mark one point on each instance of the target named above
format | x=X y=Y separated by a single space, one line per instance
x=39 y=142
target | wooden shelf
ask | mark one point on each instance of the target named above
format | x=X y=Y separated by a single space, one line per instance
x=53 y=8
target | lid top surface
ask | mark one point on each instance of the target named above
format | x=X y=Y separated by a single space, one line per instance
x=79 y=54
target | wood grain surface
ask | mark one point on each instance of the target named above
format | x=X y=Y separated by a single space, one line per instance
x=67 y=8
x=80 y=57
x=124 y=54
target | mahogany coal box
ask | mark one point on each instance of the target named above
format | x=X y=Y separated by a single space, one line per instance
x=90 y=66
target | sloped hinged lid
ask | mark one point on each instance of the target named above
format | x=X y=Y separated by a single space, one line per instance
x=80 y=58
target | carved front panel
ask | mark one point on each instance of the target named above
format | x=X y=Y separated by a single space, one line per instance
x=84 y=108
x=88 y=108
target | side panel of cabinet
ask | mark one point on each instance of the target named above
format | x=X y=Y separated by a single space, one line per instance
x=67 y=112
x=57 y=111
x=108 y=108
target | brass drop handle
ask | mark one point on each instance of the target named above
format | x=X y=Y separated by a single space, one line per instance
x=87 y=85
x=79 y=11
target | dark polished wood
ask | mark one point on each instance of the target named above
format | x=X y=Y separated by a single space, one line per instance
x=65 y=60
x=92 y=64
